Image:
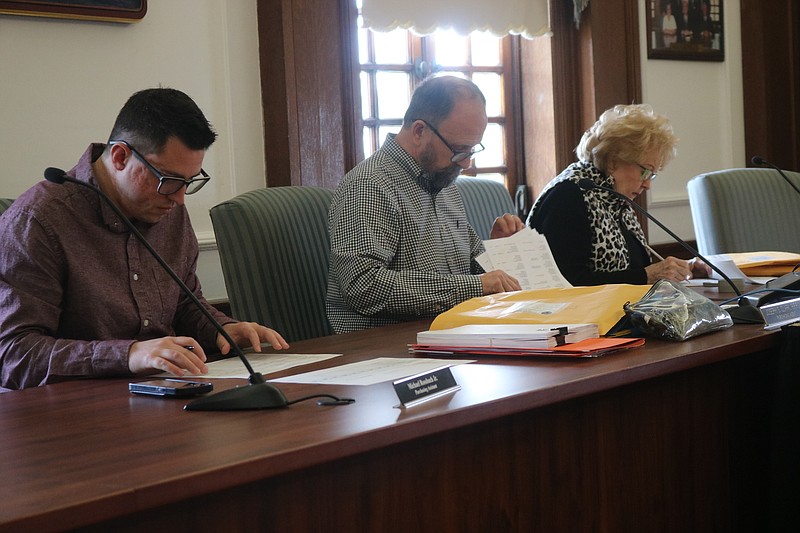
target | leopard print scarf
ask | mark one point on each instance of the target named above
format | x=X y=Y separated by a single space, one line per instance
x=606 y=212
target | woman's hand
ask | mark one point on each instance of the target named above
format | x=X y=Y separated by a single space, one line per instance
x=671 y=268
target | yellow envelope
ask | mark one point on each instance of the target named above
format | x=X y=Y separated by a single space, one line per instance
x=764 y=264
x=600 y=304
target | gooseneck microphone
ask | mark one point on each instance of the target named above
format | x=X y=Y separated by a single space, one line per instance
x=761 y=162
x=258 y=394
x=587 y=185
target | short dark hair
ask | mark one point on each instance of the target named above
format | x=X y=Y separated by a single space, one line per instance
x=433 y=100
x=151 y=116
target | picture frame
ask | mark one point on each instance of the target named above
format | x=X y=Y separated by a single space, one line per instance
x=98 y=10
x=685 y=30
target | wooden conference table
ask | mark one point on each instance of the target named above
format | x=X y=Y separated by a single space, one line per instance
x=667 y=437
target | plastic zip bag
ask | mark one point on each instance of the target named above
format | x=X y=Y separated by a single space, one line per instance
x=674 y=312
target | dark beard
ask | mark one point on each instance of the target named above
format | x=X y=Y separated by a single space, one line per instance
x=435 y=180
x=442 y=178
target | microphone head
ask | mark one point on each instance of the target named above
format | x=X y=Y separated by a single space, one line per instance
x=586 y=184
x=55 y=175
x=758 y=161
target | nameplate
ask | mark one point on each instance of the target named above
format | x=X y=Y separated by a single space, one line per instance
x=780 y=313
x=414 y=390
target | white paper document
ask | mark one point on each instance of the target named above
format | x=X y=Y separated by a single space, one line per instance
x=526 y=256
x=376 y=370
x=264 y=363
x=726 y=265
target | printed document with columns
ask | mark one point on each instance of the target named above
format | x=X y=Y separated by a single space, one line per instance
x=525 y=256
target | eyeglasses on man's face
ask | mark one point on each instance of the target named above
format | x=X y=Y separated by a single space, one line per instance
x=169 y=184
x=647 y=174
x=458 y=156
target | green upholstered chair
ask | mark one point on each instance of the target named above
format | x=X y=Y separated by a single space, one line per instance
x=274 y=248
x=4 y=203
x=745 y=210
x=484 y=200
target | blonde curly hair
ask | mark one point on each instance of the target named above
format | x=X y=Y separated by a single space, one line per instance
x=624 y=134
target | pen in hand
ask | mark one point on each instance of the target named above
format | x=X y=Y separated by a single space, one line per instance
x=654 y=253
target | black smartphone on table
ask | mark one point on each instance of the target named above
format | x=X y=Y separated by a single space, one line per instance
x=171 y=388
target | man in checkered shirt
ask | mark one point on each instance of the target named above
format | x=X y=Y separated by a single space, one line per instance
x=401 y=246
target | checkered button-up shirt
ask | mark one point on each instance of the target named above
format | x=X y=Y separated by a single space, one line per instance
x=398 y=251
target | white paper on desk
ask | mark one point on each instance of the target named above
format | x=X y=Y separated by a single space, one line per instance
x=726 y=264
x=372 y=371
x=526 y=256
x=700 y=282
x=264 y=363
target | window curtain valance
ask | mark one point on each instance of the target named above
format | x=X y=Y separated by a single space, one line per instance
x=528 y=18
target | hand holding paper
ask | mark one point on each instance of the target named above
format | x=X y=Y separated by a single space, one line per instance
x=525 y=256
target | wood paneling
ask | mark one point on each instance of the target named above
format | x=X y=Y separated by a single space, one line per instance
x=307 y=78
x=674 y=249
x=594 y=67
x=771 y=71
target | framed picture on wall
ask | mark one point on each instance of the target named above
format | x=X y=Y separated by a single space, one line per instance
x=685 y=29
x=103 y=10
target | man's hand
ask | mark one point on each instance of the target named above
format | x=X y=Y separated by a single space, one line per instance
x=505 y=226
x=176 y=355
x=244 y=333
x=498 y=281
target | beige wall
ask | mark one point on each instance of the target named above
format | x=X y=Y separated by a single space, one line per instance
x=63 y=82
x=704 y=102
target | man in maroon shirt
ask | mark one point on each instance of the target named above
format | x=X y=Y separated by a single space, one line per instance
x=79 y=295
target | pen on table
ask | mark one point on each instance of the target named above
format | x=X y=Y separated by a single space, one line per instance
x=654 y=253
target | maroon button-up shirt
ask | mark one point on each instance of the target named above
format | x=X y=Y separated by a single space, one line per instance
x=77 y=288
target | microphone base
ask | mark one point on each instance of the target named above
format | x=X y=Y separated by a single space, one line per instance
x=745 y=314
x=244 y=398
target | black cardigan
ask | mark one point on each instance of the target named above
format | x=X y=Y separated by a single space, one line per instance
x=562 y=218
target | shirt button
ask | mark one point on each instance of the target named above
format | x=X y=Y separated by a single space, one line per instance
x=146 y=322
x=136 y=277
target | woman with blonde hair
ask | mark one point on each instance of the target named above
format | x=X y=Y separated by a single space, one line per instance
x=593 y=234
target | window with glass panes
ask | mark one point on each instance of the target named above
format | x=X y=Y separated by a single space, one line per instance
x=393 y=63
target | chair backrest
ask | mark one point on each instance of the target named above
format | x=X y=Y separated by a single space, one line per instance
x=745 y=210
x=4 y=203
x=274 y=248
x=484 y=200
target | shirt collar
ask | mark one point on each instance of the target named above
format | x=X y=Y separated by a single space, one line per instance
x=83 y=171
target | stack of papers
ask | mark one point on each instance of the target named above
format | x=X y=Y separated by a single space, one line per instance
x=586 y=348
x=754 y=267
x=769 y=264
x=509 y=335
x=728 y=266
x=521 y=340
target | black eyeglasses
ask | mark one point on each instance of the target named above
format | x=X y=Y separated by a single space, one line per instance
x=647 y=174
x=169 y=184
x=457 y=156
